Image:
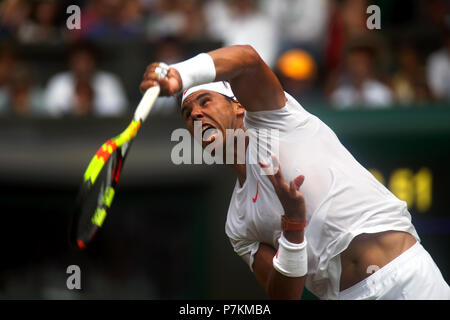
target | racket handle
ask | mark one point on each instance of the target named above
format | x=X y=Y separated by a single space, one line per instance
x=145 y=105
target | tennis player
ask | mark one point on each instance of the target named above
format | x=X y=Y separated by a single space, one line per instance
x=319 y=220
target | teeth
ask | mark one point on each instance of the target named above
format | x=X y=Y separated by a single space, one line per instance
x=205 y=127
x=209 y=134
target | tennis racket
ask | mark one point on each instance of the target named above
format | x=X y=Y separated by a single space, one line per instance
x=102 y=175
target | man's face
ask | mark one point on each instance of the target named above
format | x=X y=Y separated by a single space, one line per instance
x=359 y=65
x=82 y=63
x=7 y=64
x=214 y=111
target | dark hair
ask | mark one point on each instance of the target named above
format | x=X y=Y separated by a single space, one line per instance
x=179 y=97
x=231 y=99
x=84 y=46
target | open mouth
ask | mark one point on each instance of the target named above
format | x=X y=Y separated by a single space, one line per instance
x=208 y=132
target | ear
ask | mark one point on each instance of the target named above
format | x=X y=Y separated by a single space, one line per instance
x=239 y=109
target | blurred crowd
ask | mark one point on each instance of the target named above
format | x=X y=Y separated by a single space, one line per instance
x=322 y=50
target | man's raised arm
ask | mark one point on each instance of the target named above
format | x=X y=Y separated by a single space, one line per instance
x=255 y=85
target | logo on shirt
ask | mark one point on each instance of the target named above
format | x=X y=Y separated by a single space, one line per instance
x=256 y=197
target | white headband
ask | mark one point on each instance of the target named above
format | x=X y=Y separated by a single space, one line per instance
x=222 y=87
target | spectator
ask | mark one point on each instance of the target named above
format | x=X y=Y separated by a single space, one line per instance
x=297 y=71
x=194 y=26
x=8 y=61
x=25 y=98
x=83 y=98
x=109 y=98
x=131 y=18
x=347 y=21
x=357 y=86
x=110 y=19
x=243 y=22
x=18 y=94
x=302 y=23
x=169 y=50
x=43 y=25
x=436 y=14
x=409 y=81
x=13 y=14
x=438 y=70
x=165 y=20
x=178 y=18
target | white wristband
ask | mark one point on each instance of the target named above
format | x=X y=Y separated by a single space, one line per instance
x=291 y=259
x=195 y=71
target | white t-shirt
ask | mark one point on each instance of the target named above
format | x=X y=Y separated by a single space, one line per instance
x=255 y=28
x=342 y=198
x=109 y=96
x=373 y=94
x=438 y=73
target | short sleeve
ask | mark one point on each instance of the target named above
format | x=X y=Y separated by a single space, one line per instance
x=286 y=119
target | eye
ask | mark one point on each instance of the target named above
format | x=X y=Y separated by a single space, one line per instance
x=186 y=114
x=205 y=101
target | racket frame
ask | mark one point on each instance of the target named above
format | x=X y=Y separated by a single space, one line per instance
x=118 y=146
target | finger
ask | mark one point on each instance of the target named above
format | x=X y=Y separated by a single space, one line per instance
x=149 y=71
x=277 y=168
x=268 y=172
x=147 y=84
x=151 y=67
x=165 y=87
x=172 y=72
x=292 y=189
x=262 y=165
x=150 y=75
x=298 y=181
x=164 y=83
x=295 y=185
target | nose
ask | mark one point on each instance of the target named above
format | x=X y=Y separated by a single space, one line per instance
x=196 y=113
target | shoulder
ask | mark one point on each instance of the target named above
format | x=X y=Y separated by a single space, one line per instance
x=378 y=87
x=108 y=83
x=288 y=117
x=62 y=78
x=105 y=76
x=438 y=57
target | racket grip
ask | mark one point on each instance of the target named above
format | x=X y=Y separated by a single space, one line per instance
x=145 y=105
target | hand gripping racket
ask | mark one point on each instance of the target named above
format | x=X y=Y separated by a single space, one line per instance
x=97 y=191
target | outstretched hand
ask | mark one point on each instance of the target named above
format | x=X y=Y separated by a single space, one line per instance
x=290 y=197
